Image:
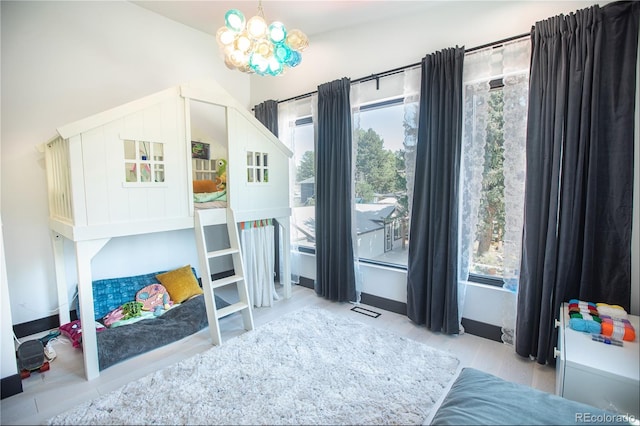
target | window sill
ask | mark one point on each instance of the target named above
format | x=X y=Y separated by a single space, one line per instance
x=486 y=286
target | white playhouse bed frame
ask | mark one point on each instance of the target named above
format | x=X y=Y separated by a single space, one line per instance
x=91 y=200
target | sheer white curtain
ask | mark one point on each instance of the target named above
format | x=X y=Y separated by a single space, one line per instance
x=288 y=113
x=411 y=95
x=356 y=100
x=259 y=259
x=509 y=62
x=476 y=76
x=516 y=95
x=516 y=57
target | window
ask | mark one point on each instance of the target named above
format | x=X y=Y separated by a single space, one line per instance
x=257 y=167
x=143 y=162
x=204 y=169
x=493 y=163
x=382 y=199
x=488 y=248
x=304 y=213
x=384 y=135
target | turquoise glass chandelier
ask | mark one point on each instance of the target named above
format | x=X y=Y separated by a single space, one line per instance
x=254 y=47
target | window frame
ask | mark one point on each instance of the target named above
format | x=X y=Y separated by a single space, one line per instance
x=367 y=107
x=473 y=278
x=155 y=163
x=304 y=121
x=400 y=100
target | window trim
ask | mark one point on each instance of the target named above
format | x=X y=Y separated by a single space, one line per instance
x=395 y=101
x=485 y=279
x=371 y=106
x=303 y=121
x=382 y=104
x=473 y=278
x=309 y=250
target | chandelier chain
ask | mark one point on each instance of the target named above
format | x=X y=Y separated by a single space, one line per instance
x=260 y=9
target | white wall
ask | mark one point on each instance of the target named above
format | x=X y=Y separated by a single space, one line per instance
x=7 y=349
x=373 y=48
x=64 y=61
x=396 y=42
x=391 y=283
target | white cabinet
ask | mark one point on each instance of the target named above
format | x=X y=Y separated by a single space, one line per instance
x=604 y=376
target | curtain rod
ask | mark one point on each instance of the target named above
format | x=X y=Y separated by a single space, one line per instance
x=387 y=73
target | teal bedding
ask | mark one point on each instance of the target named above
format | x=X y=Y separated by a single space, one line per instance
x=205 y=197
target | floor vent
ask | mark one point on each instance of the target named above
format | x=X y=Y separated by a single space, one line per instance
x=366 y=312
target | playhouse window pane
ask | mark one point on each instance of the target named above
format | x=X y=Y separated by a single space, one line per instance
x=249 y=158
x=130 y=172
x=129 y=150
x=157 y=150
x=265 y=160
x=145 y=172
x=266 y=175
x=258 y=175
x=145 y=149
x=250 y=175
x=159 y=173
x=257 y=158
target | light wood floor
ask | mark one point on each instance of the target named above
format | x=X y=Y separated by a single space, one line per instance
x=63 y=386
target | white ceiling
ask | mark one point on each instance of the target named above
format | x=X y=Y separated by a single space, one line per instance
x=310 y=16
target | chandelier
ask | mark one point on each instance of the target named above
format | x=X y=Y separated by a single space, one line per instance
x=254 y=47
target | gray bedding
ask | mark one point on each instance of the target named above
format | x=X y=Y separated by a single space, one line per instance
x=479 y=398
x=120 y=343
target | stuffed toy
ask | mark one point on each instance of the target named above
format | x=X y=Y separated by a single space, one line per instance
x=131 y=310
x=73 y=331
x=221 y=180
x=153 y=296
x=113 y=317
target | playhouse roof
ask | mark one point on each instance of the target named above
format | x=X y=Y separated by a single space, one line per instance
x=202 y=90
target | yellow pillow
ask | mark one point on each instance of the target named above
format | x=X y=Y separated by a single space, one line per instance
x=205 y=185
x=180 y=283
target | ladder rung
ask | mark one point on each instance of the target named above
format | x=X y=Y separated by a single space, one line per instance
x=227 y=310
x=224 y=252
x=209 y=217
x=226 y=281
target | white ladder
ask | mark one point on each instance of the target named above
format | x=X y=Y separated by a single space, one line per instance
x=210 y=217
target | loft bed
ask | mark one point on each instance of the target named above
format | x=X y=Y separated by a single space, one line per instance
x=132 y=170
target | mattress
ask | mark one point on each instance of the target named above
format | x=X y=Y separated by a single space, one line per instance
x=121 y=343
x=479 y=398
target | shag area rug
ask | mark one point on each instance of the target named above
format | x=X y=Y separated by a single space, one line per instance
x=307 y=367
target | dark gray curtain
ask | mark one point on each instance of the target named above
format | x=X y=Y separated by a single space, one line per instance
x=432 y=275
x=335 y=274
x=267 y=113
x=579 y=183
